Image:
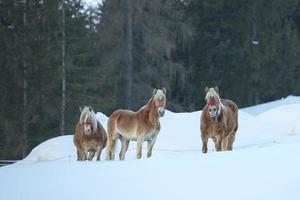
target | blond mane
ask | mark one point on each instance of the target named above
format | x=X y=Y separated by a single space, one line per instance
x=88 y=113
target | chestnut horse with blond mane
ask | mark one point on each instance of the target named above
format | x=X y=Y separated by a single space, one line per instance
x=90 y=137
x=219 y=121
x=139 y=126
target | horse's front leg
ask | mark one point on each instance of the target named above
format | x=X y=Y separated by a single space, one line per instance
x=80 y=155
x=218 y=143
x=85 y=153
x=139 y=146
x=204 y=143
x=150 y=146
x=91 y=155
x=225 y=143
x=98 y=152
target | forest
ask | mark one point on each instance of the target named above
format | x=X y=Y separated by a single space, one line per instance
x=61 y=54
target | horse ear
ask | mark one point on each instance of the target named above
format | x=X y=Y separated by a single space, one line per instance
x=154 y=91
x=206 y=89
x=164 y=90
x=90 y=108
x=216 y=88
x=80 y=109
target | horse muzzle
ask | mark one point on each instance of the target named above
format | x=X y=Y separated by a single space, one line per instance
x=87 y=131
x=161 y=111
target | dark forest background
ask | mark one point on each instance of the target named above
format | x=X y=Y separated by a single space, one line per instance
x=57 y=55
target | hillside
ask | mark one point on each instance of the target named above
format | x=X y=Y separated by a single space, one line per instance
x=264 y=164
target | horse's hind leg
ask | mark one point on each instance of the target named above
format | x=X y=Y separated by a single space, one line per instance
x=124 y=148
x=150 y=146
x=231 y=139
x=110 y=151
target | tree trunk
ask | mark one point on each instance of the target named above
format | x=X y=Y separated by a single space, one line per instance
x=24 y=141
x=63 y=91
x=128 y=75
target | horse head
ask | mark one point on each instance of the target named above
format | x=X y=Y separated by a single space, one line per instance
x=159 y=98
x=213 y=102
x=88 y=120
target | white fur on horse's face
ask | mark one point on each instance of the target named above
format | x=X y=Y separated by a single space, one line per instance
x=87 y=129
x=88 y=113
x=213 y=111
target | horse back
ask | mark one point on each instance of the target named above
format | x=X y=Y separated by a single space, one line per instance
x=230 y=104
x=121 y=119
x=232 y=113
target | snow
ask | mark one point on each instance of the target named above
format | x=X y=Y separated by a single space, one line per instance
x=92 y=3
x=264 y=164
x=258 y=109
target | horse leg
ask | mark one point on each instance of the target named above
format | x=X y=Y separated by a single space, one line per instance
x=80 y=154
x=85 y=153
x=98 y=152
x=218 y=143
x=150 y=146
x=139 y=147
x=91 y=155
x=111 y=147
x=124 y=148
x=231 y=139
x=225 y=143
x=204 y=143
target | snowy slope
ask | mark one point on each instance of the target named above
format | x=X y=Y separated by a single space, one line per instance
x=265 y=163
x=258 y=109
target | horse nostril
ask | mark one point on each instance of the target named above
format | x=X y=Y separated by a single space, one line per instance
x=161 y=112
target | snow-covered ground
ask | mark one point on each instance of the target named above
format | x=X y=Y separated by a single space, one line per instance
x=265 y=163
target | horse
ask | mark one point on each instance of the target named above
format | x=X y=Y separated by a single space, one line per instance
x=139 y=126
x=219 y=121
x=90 y=137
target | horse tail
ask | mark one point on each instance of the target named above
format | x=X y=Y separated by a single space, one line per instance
x=111 y=136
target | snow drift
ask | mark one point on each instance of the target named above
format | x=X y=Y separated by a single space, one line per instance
x=264 y=164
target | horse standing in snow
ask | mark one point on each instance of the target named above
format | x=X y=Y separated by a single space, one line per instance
x=90 y=137
x=219 y=121
x=139 y=126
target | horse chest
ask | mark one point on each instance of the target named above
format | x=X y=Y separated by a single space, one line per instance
x=151 y=134
x=91 y=145
x=215 y=129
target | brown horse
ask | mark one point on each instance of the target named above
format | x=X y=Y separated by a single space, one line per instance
x=90 y=137
x=219 y=121
x=139 y=126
